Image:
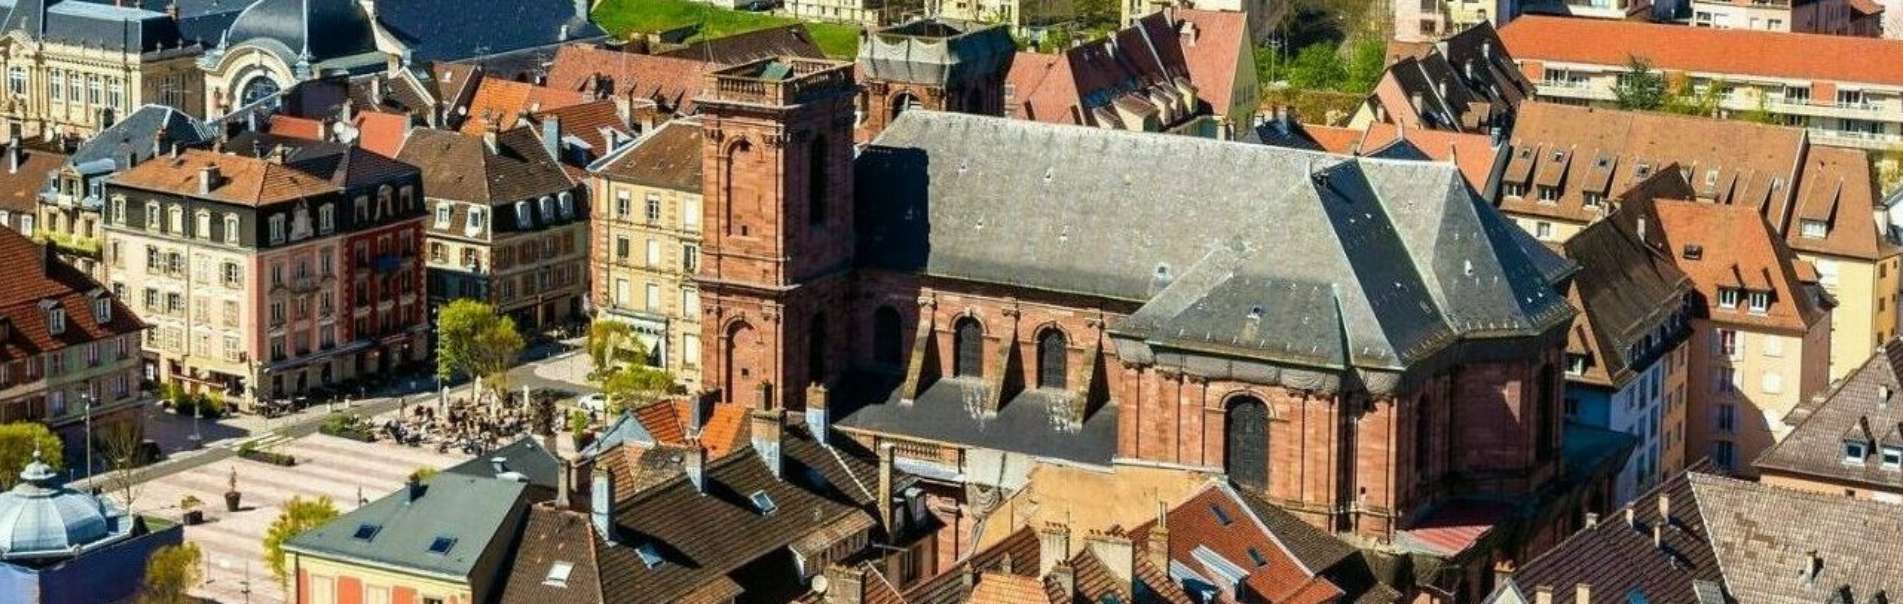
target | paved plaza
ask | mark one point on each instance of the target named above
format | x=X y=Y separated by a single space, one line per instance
x=233 y=542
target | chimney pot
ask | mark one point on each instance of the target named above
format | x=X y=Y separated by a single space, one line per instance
x=768 y=427
x=412 y=489
x=1582 y=593
x=886 y=514
x=1665 y=509
x=1592 y=519
x=696 y=467
x=1630 y=520
x=1658 y=536
x=1543 y=594
x=601 y=498
x=1053 y=545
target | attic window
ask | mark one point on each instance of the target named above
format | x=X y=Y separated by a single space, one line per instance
x=1526 y=152
x=1559 y=156
x=1892 y=458
x=522 y=214
x=1222 y=517
x=649 y=556
x=1694 y=251
x=442 y=545
x=1760 y=301
x=1256 y=557
x=764 y=503
x=558 y=574
x=1813 y=229
x=56 y=320
x=1603 y=163
x=1855 y=451
x=1575 y=364
x=366 y=532
x=102 y=309
x=1642 y=170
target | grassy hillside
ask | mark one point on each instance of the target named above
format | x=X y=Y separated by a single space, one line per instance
x=619 y=17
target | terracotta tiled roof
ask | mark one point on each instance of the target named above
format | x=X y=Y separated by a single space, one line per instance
x=668 y=158
x=1838 y=188
x=590 y=122
x=1735 y=248
x=503 y=103
x=1806 y=57
x=1456 y=527
x=20 y=186
x=1605 y=152
x=672 y=82
x=1616 y=559
x=1218 y=521
x=667 y=422
x=1214 y=52
x=382 y=133
x=1625 y=289
x=298 y=127
x=242 y=180
x=1474 y=154
x=1078 y=84
x=1006 y=588
x=34 y=278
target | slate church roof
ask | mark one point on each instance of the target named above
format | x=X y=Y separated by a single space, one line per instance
x=97 y=25
x=1399 y=259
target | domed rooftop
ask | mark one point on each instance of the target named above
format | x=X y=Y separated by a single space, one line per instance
x=38 y=520
x=310 y=30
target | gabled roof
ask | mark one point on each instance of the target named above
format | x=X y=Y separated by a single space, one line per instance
x=1764 y=537
x=949 y=187
x=503 y=103
x=1815 y=448
x=596 y=124
x=1079 y=85
x=1627 y=288
x=1805 y=57
x=36 y=277
x=141 y=135
x=1218 y=531
x=552 y=537
x=22 y=182
x=468 y=511
x=671 y=82
x=462 y=167
x=346 y=166
x=1736 y=249
x=1617 y=559
x=247 y=181
x=668 y=158
x=1837 y=187
x=790 y=40
x=1213 y=43
x=701 y=538
x=525 y=458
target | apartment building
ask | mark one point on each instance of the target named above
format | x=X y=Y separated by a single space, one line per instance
x=1568 y=166
x=68 y=349
x=1260 y=15
x=70 y=207
x=507 y=224
x=247 y=268
x=1761 y=345
x=1464 y=83
x=1418 y=21
x=1847 y=91
x=646 y=244
x=1627 y=354
x=870 y=13
x=1832 y=17
x=1019 y=15
x=74 y=67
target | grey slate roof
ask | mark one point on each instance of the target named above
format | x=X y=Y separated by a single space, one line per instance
x=1617 y=559
x=469 y=509
x=1628 y=290
x=942 y=413
x=526 y=457
x=135 y=136
x=312 y=30
x=93 y=24
x=1855 y=408
x=1397 y=259
x=448 y=30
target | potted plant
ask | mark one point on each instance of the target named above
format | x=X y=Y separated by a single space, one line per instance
x=232 y=496
x=192 y=514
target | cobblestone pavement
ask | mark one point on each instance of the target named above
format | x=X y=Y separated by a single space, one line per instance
x=341 y=469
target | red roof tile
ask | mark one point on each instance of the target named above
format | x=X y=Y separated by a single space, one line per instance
x=504 y=102
x=382 y=133
x=1704 y=49
x=297 y=127
x=670 y=81
x=35 y=278
x=1214 y=52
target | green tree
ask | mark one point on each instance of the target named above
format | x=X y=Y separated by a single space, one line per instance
x=1367 y=60
x=473 y=339
x=1686 y=100
x=18 y=442
x=1640 y=88
x=424 y=473
x=612 y=343
x=1759 y=114
x=1096 y=14
x=299 y=515
x=635 y=385
x=1317 y=67
x=171 y=572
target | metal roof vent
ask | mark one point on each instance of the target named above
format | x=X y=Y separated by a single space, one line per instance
x=1255 y=313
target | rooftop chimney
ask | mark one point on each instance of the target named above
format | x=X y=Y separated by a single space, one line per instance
x=1543 y=594
x=412 y=489
x=564 y=483
x=1592 y=519
x=14 y=155
x=552 y=136
x=1064 y=577
x=489 y=135
x=1813 y=566
x=207 y=179
x=885 y=487
x=1630 y=520
x=1117 y=554
x=696 y=467
x=818 y=417
x=768 y=424
x=1658 y=535
x=1582 y=593
x=1157 y=548
x=1053 y=546
x=1665 y=509
x=601 y=503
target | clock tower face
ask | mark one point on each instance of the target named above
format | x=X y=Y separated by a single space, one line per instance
x=256 y=89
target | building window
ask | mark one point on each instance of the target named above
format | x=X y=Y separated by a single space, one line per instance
x=651 y=298
x=690 y=212
x=1813 y=229
x=1575 y=364
x=653 y=208
x=1549 y=194
x=1724 y=453
x=1854 y=452
x=654 y=253
x=1052 y=359
x=623 y=204
x=968 y=342
x=1246 y=443
x=1728 y=343
x=115 y=93
x=1892 y=458
x=16 y=81
x=1543 y=230
x=1513 y=189
x=690 y=258
x=1727 y=297
x=53 y=88
x=277 y=228
x=326 y=218
x=92 y=90
x=231 y=229
x=1760 y=302
x=622 y=246
x=1727 y=417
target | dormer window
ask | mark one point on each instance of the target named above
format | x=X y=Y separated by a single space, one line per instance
x=1575 y=364
x=1512 y=189
x=1694 y=251
x=231 y=229
x=567 y=201
x=1727 y=297
x=102 y=309
x=764 y=503
x=1760 y=302
x=1855 y=451
x=1892 y=458
x=522 y=214
x=1813 y=229
x=442 y=215
x=1594 y=200
x=56 y=320
x=474 y=224
x=1642 y=170
x=548 y=210
x=1549 y=194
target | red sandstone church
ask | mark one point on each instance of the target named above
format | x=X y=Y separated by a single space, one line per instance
x=1363 y=342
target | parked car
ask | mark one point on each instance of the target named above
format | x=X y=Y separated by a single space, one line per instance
x=593 y=403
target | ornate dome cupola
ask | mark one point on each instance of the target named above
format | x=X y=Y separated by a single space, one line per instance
x=43 y=522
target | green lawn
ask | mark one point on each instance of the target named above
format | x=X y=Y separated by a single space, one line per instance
x=619 y=17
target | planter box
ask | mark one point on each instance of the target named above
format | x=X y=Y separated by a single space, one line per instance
x=194 y=517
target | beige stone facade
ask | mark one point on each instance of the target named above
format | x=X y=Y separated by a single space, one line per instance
x=54 y=88
x=646 y=250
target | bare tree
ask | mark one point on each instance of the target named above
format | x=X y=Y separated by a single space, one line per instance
x=120 y=443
